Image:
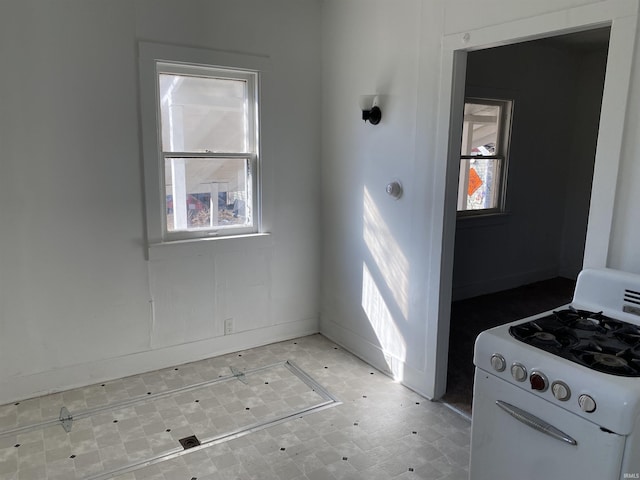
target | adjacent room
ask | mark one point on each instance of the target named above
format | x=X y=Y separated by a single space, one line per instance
x=542 y=201
x=228 y=228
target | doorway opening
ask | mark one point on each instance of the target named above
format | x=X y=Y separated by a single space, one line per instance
x=522 y=258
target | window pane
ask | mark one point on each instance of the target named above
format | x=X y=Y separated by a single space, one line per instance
x=201 y=114
x=480 y=129
x=205 y=193
x=479 y=178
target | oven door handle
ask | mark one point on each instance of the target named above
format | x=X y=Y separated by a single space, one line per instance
x=535 y=422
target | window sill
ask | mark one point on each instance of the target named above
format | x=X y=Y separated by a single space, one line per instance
x=212 y=238
x=482 y=220
x=194 y=245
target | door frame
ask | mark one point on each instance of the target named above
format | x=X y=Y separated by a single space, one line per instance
x=621 y=16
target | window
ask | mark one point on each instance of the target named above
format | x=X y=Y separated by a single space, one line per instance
x=483 y=157
x=200 y=133
x=207 y=119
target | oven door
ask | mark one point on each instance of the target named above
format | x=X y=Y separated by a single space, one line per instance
x=515 y=434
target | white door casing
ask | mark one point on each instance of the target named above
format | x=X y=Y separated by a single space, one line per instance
x=621 y=16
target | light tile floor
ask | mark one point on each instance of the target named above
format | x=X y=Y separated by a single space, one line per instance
x=381 y=430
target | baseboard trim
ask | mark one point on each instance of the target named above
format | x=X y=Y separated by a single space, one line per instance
x=22 y=387
x=375 y=356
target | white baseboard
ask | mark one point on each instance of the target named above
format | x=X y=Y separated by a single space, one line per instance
x=375 y=356
x=13 y=389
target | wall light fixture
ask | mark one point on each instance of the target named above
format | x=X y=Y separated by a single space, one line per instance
x=370 y=109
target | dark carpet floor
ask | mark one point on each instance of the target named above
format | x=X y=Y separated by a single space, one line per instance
x=471 y=316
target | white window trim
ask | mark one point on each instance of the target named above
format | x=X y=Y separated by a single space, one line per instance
x=150 y=54
x=503 y=145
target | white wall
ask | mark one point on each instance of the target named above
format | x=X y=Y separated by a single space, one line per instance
x=76 y=292
x=380 y=298
x=75 y=288
x=624 y=253
x=556 y=94
x=372 y=267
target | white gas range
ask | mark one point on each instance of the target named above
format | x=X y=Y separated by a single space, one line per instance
x=557 y=395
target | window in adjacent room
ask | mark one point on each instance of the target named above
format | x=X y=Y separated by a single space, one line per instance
x=483 y=157
x=200 y=144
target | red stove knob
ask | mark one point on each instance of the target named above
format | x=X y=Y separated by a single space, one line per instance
x=538 y=381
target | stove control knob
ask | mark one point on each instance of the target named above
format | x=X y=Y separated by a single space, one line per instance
x=587 y=404
x=498 y=362
x=538 y=381
x=519 y=372
x=561 y=391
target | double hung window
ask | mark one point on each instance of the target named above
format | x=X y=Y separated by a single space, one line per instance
x=201 y=174
x=483 y=157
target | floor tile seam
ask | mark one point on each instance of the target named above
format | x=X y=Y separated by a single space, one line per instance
x=130 y=402
x=326 y=405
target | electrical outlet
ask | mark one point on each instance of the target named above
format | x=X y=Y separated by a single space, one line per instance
x=228 y=326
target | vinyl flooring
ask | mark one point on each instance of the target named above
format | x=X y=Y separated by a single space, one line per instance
x=255 y=417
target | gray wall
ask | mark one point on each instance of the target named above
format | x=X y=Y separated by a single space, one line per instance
x=585 y=125
x=556 y=93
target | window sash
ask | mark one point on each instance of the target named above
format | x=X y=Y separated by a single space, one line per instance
x=194 y=232
x=250 y=77
x=497 y=189
x=500 y=156
x=185 y=231
x=502 y=123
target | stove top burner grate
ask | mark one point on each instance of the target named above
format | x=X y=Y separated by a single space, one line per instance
x=588 y=338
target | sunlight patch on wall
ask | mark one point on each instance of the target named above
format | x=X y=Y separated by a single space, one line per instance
x=380 y=318
x=386 y=253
